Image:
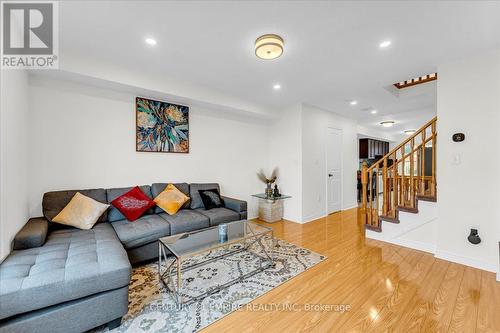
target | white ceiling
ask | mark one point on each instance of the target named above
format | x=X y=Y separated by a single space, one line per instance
x=331 y=48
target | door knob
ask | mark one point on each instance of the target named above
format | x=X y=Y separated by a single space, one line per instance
x=330 y=175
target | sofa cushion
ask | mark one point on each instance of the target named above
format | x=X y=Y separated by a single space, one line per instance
x=112 y=193
x=171 y=199
x=211 y=199
x=72 y=264
x=185 y=220
x=54 y=202
x=133 y=204
x=219 y=215
x=142 y=231
x=81 y=212
x=157 y=188
x=196 y=201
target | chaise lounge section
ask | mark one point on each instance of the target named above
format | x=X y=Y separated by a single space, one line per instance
x=63 y=279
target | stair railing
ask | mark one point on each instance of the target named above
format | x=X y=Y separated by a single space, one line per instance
x=399 y=178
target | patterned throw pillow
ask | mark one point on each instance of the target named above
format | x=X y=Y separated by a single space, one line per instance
x=171 y=199
x=211 y=198
x=133 y=204
x=81 y=212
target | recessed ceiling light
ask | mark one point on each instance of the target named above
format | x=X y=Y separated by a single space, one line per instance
x=269 y=46
x=353 y=102
x=373 y=111
x=384 y=44
x=410 y=132
x=388 y=123
x=150 y=41
x=277 y=86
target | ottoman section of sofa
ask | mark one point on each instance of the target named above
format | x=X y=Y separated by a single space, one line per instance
x=70 y=265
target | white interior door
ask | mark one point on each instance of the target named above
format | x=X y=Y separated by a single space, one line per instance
x=334 y=170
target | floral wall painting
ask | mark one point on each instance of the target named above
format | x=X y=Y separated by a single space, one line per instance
x=161 y=127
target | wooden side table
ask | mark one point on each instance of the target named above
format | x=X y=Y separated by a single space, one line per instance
x=270 y=208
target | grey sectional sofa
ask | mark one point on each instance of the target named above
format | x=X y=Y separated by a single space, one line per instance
x=62 y=279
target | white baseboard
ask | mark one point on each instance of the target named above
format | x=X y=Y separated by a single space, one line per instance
x=445 y=255
x=431 y=248
x=416 y=245
x=350 y=207
x=412 y=244
x=291 y=220
x=311 y=218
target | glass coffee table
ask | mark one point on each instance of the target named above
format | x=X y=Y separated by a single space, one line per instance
x=189 y=244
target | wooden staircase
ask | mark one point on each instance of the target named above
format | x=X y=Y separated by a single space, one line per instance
x=400 y=179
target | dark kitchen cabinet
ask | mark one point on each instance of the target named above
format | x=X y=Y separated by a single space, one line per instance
x=371 y=148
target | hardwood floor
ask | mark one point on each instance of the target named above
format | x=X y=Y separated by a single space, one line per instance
x=388 y=288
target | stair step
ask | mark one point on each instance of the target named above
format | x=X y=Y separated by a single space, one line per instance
x=389 y=219
x=430 y=198
x=408 y=209
x=402 y=209
x=379 y=229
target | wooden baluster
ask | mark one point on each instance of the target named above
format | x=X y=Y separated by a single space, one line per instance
x=370 y=183
x=385 y=189
x=377 y=170
x=394 y=186
x=433 y=185
x=402 y=191
x=422 y=189
x=419 y=171
x=412 y=184
x=390 y=179
x=364 y=184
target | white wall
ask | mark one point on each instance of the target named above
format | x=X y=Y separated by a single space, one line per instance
x=156 y=81
x=285 y=153
x=315 y=122
x=84 y=137
x=14 y=148
x=469 y=193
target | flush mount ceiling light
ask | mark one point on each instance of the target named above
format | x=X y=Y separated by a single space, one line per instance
x=150 y=41
x=385 y=43
x=410 y=132
x=373 y=111
x=277 y=86
x=388 y=123
x=353 y=102
x=269 y=46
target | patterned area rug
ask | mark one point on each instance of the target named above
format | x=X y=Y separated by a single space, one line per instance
x=152 y=308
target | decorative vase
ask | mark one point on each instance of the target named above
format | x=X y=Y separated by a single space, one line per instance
x=269 y=190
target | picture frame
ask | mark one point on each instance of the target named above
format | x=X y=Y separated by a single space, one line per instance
x=161 y=127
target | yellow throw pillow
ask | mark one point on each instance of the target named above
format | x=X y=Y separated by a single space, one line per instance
x=81 y=212
x=171 y=199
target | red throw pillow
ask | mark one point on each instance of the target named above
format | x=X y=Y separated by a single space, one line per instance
x=133 y=204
